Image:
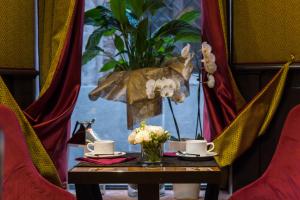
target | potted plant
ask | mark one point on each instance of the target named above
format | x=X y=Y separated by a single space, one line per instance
x=145 y=67
x=143 y=54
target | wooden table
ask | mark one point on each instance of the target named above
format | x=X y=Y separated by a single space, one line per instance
x=86 y=177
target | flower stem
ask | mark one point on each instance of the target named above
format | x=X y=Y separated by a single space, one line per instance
x=174 y=118
x=199 y=102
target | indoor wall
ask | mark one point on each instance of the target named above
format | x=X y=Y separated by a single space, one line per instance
x=17 y=49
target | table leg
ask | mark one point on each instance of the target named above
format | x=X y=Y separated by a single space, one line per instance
x=148 y=191
x=88 y=192
x=212 y=192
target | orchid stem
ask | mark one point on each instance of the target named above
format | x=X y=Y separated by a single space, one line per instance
x=174 y=118
x=199 y=102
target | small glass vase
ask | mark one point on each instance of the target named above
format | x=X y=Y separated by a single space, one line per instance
x=152 y=153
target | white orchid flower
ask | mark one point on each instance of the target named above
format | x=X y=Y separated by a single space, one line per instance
x=150 y=83
x=186 y=51
x=150 y=93
x=211 y=81
x=188 y=67
x=166 y=92
x=210 y=67
x=177 y=83
x=170 y=83
x=159 y=83
x=205 y=48
x=210 y=58
x=189 y=59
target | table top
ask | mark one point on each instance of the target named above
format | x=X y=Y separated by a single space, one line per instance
x=171 y=170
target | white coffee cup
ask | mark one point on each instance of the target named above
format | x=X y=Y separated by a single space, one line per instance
x=101 y=147
x=200 y=147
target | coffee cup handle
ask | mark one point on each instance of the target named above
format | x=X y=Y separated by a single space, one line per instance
x=89 y=145
x=212 y=146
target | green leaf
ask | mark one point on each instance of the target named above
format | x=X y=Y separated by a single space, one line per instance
x=101 y=16
x=175 y=27
x=136 y=7
x=158 y=44
x=94 y=38
x=141 y=39
x=90 y=54
x=109 y=32
x=121 y=52
x=119 y=43
x=168 y=40
x=189 y=16
x=188 y=37
x=97 y=16
x=169 y=49
x=118 y=8
x=111 y=64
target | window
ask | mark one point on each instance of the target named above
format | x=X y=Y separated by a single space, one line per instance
x=111 y=122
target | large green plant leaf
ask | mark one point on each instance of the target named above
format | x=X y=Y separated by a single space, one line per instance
x=111 y=64
x=118 y=8
x=89 y=54
x=119 y=43
x=97 y=16
x=189 y=16
x=101 y=16
x=136 y=7
x=188 y=37
x=175 y=27
x=94 y=38
x=109 y=32
x=141 y=39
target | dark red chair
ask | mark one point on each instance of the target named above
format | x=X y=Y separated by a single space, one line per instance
x=281 y=180
x=21 y=180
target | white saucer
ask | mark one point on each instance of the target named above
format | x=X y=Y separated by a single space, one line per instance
x=189 y=157
x=95 y=155
x=207 y=154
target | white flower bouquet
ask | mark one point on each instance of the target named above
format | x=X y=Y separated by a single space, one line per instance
x=151 y=139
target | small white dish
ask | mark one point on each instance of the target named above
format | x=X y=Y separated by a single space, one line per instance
x=207 y=154
x=193 y=157
x=96 y=155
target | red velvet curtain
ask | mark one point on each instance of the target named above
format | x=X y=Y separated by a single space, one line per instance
x=220 y=101
x=50 y=114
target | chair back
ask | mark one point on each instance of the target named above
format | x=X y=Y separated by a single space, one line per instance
x=21 y=180
x=281 y=180
x=1 y=161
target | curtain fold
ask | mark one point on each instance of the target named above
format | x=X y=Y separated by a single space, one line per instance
x=50 y=114
x=39 y=155
x=54 y=23
x=231 y=125
x=223 y=102
x=251 y=122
